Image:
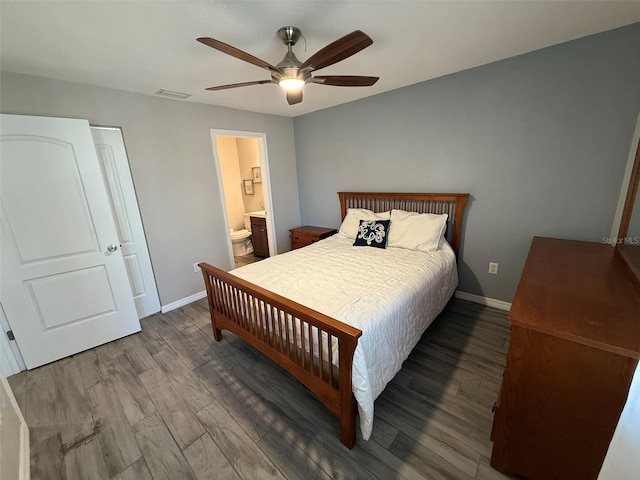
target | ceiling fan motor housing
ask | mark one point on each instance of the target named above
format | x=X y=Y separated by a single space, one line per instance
x=289 y=66
x=289 y=35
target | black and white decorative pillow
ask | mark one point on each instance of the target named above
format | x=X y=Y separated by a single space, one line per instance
x=372 y=233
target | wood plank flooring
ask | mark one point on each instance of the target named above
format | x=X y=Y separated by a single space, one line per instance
x=171 y=403
x=243 y=260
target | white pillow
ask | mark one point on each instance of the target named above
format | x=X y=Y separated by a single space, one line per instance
x=351 y=222
x=416 y=231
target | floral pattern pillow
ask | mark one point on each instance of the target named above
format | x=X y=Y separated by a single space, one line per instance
x=372 y=233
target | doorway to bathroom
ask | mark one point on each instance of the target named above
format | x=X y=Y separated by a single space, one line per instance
x=243 y=175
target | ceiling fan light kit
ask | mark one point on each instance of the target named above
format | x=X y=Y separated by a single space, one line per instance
x=291 y=83
x=292 y=74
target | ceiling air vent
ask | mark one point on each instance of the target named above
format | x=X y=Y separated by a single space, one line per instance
x=172 y=94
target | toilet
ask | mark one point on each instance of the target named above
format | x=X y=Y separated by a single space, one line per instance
x=241 y=239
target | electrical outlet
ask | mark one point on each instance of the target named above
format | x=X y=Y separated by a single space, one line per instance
x=493 y=268
x=196 y=268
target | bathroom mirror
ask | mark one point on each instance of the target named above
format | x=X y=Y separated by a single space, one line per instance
x=629 y=234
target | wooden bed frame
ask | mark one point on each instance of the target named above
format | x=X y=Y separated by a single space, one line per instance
x=285 y=331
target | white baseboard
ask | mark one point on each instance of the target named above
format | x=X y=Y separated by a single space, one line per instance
x=183 y=301
x=489 y=302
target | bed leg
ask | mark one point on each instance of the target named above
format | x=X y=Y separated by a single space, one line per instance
x=348 y=424
x=217 y=333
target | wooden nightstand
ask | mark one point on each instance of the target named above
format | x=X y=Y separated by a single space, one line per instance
x=303 y=236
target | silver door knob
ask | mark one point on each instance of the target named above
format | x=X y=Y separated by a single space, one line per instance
x=112 y=247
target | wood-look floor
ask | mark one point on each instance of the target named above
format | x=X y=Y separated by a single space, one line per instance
x=243 y=260
x=171 y=403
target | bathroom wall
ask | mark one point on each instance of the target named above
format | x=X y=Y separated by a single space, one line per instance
x=231 y=181
x=248 y=157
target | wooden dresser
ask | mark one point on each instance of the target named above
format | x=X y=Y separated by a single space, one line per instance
x=303 y=236
x=574 y=346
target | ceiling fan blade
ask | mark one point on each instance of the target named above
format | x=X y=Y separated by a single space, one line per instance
x=236 y=85
x=345 y=80
x=294 y=96
x=339 y=50
x=235 y=52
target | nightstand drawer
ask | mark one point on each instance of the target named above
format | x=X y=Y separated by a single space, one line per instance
x=303 y=236
x=302 y=240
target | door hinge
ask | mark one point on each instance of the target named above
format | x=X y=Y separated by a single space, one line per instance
x=10 y=335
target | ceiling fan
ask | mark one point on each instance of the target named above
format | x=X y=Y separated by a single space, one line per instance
x=292 y=74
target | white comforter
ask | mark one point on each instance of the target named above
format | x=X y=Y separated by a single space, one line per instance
x=391 y=294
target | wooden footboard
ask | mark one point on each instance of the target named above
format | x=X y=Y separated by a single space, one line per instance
x=314 y=348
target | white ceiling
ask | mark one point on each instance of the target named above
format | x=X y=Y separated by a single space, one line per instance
x=142 y=46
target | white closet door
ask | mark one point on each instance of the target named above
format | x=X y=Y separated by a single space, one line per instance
x=115 y=167
x=64 y=285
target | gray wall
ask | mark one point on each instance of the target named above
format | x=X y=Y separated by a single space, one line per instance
x=540 y=141
x=171 y=158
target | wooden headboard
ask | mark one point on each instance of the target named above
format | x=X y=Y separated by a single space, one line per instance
x=450 y=203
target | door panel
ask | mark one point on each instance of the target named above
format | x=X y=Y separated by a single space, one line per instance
x=49 y=296
x=135 y=275
x=62 y=290
x=51 y=173
x=107 y=158
x=124 y=204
